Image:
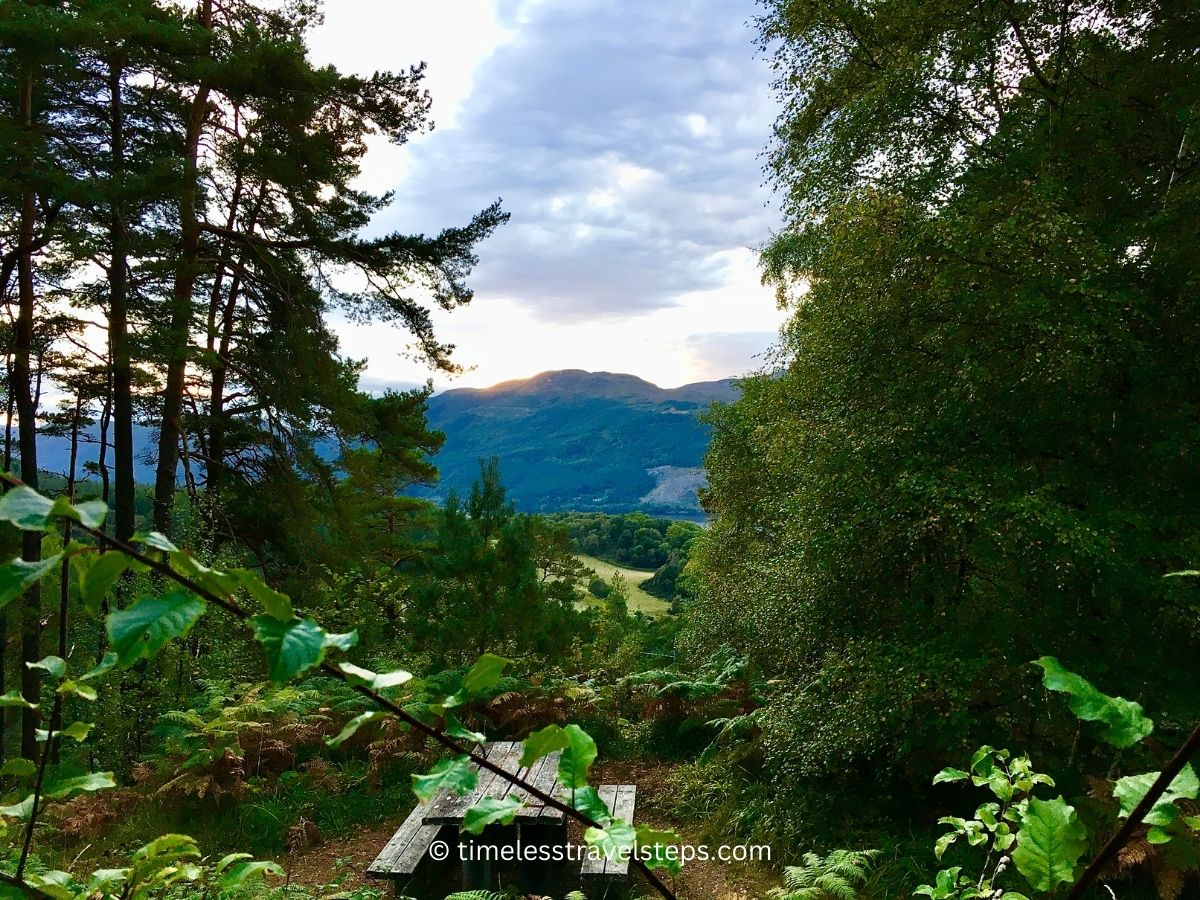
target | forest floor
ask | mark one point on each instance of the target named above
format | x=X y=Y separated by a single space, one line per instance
x=344 y=860
x=639 y=600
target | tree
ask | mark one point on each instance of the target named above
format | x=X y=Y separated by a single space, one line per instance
x=480 y=589
x=272 y=242
x=975 y=445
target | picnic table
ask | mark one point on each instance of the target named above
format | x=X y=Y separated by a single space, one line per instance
x=534 y=824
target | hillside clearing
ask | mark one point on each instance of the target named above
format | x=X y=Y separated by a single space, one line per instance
x=639 y=600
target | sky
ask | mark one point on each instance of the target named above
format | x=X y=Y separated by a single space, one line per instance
x=624 y=138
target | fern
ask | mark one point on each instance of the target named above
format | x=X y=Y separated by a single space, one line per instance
x=834 y=877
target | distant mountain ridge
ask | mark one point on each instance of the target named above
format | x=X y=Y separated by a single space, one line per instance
x=567 y=440
x=576 y=440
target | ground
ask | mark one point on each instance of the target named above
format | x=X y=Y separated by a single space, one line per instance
x=345 y=858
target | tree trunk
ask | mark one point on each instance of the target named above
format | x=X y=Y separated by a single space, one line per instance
x=31 y=541
x=171 y=426
x=64 y=581
x=216 y=401
x=118 y=323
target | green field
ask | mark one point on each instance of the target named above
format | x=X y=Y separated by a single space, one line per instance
x=639 y=600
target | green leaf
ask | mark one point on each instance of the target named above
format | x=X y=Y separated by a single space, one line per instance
x=155 y=541
x=106 y=664
x=83 y=784
x=367 y=678
x=90 y=513
x=460 y=732
x=541 y=743
x=614 y=842
x=143 y=629
x=14 y=698
x=950 y=775
x=1123 y=720
x=230 y=858
x=649 y=836
x=26 y=509
x=83 y=691
x=104 y=878
x=240 y=872
x=343 y=642
x=22 y=768
x=660 y=847
x=485 y=673
x=1049 y=844
x=98 y=575
x=77 y=731
x=589 y=802
x=943 y=843
x=578 y=752
x=20 y=810
x=489 y=811
x=354 y=724
x=453 y=774
x=18 y=576
x=296 y=646
x=577 y=758
x=54 y=666
x=277 y=605
x=1130 y=790
x=54 y=883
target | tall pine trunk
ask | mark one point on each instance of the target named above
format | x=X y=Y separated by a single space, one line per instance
x=31 y=541
x=118 y=321
x=171 y=425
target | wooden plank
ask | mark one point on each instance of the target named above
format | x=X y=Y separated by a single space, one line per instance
x=541 y=775
x=445 y=800
x=622 y=809
x=407 y=862
x=448 y=808
x=402 y=853
x=593 y=865
x=547 y=780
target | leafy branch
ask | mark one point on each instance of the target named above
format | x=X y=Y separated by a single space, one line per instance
x=294 y=645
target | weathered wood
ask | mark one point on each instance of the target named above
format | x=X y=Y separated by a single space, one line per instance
x=408 y=845
x=547 y=780
x=448 y=808
x=542 y=775
x=621 y=800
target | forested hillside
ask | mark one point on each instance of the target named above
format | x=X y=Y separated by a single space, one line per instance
x=582 y=441
x=939 y=633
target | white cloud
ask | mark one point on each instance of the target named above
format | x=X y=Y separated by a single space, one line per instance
x=624 y=138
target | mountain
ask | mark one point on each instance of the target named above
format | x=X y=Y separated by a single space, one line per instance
x=575 y=440
x=567 y=440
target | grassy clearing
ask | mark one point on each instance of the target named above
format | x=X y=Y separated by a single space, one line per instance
x=639 y=600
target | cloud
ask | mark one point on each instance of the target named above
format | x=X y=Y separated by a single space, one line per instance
x=721 y=354
x=624 y=139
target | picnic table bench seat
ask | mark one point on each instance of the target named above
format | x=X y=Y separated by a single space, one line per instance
x=408 y=846
x=621 y=800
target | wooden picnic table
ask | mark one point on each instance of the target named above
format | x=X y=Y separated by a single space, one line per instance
x=449 y=808
x=535 y=823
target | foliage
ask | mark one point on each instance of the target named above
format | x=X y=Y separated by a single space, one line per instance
x=291 y=646
x=630 y=539
x=832 y=877
x=1045 y=839
x=481 y=587
x=974 y=446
